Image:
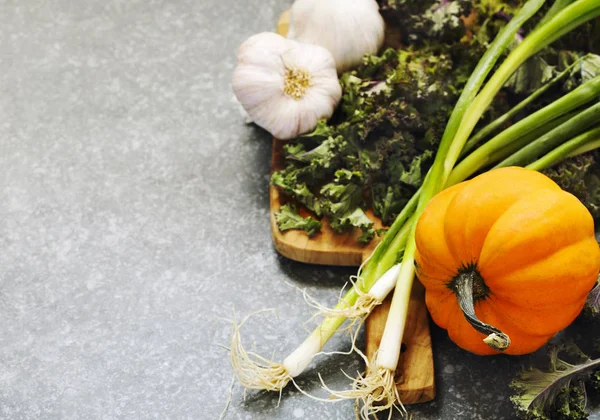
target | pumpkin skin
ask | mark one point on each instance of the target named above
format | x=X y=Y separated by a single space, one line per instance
x=530 y=247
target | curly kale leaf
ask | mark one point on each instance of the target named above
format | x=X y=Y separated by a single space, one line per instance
x=288 y=183
x=344 y=193
x=319 y=161
x=559 y=392
x=343 y=201
x=355 y=218
x=422 y=21
x=384 y=132
x=580 y=176
x=288 y=218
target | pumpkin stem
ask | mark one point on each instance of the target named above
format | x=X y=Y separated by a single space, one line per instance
x=463 y=285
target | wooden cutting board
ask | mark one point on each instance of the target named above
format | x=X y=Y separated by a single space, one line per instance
x=415 y=379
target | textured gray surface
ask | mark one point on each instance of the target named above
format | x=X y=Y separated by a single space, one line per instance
x=134 y=218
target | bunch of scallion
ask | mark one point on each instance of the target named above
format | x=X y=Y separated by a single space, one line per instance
x=566 y=127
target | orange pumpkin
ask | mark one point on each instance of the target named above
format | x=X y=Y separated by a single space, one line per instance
x=507 y=260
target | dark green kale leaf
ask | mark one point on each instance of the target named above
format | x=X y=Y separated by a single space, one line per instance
x=343 y=201
x=381 y=140
x=344 y=192
x=286 y=180
x=288 y=218
x=559 y=392
x=580 y=176
x=530 y=76
x=426 y=20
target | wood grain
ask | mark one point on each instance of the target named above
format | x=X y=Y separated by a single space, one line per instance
x=415 y=380
x=326 y=247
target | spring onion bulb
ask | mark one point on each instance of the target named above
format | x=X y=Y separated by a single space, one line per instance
x=256 y=372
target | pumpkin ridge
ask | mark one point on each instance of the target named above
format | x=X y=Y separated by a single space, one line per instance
x=510 y=313
x=505 y=295
x=532 y=258
x=447 y=232
x=437 y=268
x=480 y=206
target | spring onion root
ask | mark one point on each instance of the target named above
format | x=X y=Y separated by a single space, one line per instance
x=252 y=370
x=375 y=392
x=257 y=372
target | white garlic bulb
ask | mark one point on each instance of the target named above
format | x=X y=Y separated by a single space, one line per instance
x=285 y=86
x=349 y=29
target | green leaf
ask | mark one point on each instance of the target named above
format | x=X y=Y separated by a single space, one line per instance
x=344 y=194
x=355 y=218
x=590 y=67
x=288 y=218
x=414 y=175
x=592 y=303
x=303 y=194
x=323 y=129
x=580 y=176
x=530 y=76
x=560 y=391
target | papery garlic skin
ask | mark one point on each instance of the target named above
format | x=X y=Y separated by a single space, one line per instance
x=349 y=29
x=285 y=86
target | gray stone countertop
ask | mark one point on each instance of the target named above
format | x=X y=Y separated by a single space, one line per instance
x=134 y=219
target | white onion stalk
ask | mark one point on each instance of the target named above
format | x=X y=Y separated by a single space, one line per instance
x=377 y=389
x=256 y=372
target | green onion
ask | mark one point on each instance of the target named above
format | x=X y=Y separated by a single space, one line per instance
x=589 y=138
x=553 y=138
x=499 y=122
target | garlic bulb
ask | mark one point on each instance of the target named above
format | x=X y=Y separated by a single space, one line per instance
x=349 y=29
x=285 y=86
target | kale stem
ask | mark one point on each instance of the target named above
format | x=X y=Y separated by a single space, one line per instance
x=589 y=137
